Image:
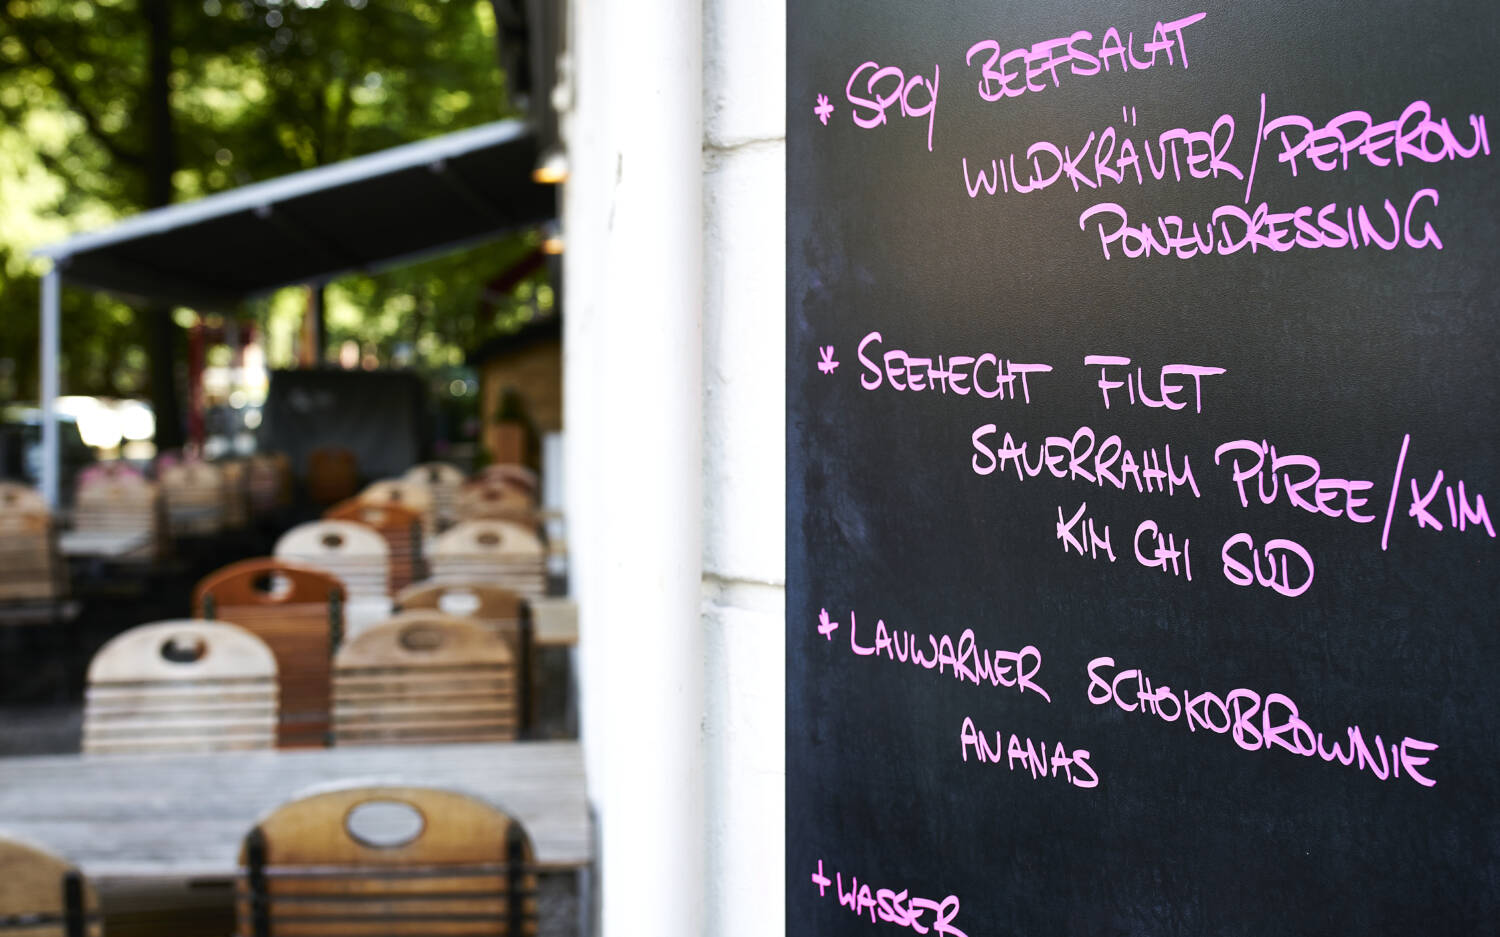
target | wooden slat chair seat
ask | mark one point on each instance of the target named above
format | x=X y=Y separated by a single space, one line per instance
x=181 y=686
x=30 y=566
x=387 y=862
x=298 y=612
x=442 y=482
x=425 y=677
x=354 y=553
x=196 y=498
x=42 y=895
x=399 y=527
x=124 y=504
x=504 y=553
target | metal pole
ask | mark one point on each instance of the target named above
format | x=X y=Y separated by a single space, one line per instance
x=50 y=363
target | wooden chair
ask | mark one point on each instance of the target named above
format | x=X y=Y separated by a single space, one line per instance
x=492 y=500
x=124 y=503
x=181 y=686
x=413 y=496
x=511 y=474
x=298 y=612
x=42 y=895
x=442 y=482
x=499 y=610
x=387 y=861
x=503 y=553
x=31 y=569
x=356 y=555
x=196 y=498
x=332 y=474
x=270 y=482
x=236 y=474
x=426 y=677
x=399 y=527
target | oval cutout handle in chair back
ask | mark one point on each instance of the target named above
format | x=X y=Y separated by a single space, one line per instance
x=334 y=829
x=266 y=581
x=316 y=540
x=463 y=599
x=184 y=649
x=500 y=538
x=421 y=639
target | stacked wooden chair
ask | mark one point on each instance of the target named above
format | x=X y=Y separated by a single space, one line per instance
x=196 y=498
x=236 y=473
x=332 y=474
x=31 y=569
x=494 y=500
x=512 y=475
x=426 y=677
x=42 y=895
x=502 y=553
x=180 y=687
x=298 y=612
x=269 y=482
x=354 y=553
x=124 y=503
x=387 y=861
x=413 y=496
x=399 y=527
x=502 y=611
x=442 y=482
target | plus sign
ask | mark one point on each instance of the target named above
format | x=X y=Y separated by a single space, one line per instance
x=826 y=626
x=821 y=880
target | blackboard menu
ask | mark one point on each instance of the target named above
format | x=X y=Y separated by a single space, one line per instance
x=1142 y=468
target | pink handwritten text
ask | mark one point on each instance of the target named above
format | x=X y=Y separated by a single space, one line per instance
x=1030 y=754
x=1279 y=724
x=987 y=375
x=893 y=907
x=968 y=662
x=1298 y=479
x=1021 y=70
x=1232 y=229
x=898 y=93
x=1167 y=388
x=1083 y=457
x=1412 y=136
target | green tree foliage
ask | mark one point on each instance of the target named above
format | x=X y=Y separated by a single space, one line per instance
x=244 y=90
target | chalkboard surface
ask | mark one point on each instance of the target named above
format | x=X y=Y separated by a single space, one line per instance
x=1142 y=468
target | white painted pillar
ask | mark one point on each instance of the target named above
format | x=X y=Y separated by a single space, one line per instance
x=50 y=351
x=647 y=467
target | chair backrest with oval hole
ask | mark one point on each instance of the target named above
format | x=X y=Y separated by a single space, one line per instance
x=298 y=612
x=42 y=895
x=16 y=499
x=355 y=553
x=387 y=861
x=495 y=608
x=398 y=526
x=425 y=677
x=509 y=473
x=181 y=686
x=196 y=497
x=124 y=504
x=31 y=569
x=480 y=500
x=442 y=482
x=411 y=495
x=504 y=553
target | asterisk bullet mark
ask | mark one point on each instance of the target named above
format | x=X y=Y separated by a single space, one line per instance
x=826 y=364
x=823 y=109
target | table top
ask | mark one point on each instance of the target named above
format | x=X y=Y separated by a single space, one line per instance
x=184 y=816
x=555 y=620
x=103 y=543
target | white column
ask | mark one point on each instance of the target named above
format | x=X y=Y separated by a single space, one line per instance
x=647 y=466
x=51 y=314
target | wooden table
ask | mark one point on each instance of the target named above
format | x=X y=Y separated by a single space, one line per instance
x=183 y=816
x=101 y=544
